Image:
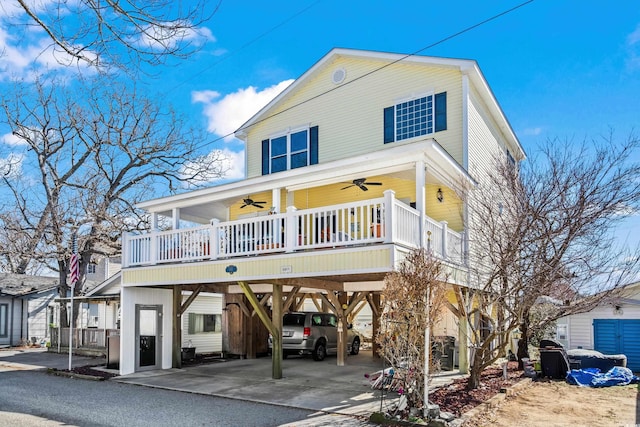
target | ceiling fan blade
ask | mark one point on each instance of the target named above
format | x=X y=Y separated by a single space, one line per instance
x=363 y=188
x=373 y=183
x=348 y=186
x=243 y=206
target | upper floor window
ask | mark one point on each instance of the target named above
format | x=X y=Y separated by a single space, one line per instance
x=415 y=117
x=290 y=151
x=91 y=269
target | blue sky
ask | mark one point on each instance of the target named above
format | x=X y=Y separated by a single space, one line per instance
x=559 y=69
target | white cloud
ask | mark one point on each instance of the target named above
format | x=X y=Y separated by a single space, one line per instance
x=11 y=166
x=633 y=49
x=229 y=113
x=23 y=56
x=11 y=140
x=532 y=131
x=634 y=37
x=165 y=37
x=218 y=165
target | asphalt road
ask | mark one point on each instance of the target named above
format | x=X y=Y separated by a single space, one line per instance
x=35 y=398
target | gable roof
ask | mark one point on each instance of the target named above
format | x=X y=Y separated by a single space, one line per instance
x=107 y=286
x=466 y=66
x=23 y=284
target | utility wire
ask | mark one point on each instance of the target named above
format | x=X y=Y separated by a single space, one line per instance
x=246 y=45
x=404 y=57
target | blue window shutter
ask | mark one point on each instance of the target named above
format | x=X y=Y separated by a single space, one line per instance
x=266 y=158
x=388 y=125
x=441 y=111
x=313 y=145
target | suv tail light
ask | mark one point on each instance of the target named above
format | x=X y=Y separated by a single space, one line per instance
x=306 y=332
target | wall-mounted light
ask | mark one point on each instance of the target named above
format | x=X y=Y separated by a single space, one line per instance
x=617 y=310
x=439 y=195
x=231 y=269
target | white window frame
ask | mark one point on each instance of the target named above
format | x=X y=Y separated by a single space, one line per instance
x=289 y=153
x=414 y=98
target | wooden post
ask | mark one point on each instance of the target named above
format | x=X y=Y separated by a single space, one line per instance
x=276 y=302
x=374 y=303
x=177 y=327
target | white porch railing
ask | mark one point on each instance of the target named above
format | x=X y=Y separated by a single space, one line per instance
x=365 y=222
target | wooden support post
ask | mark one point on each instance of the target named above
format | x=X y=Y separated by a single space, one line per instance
x=176 y=354
x=276 y=308
x=374 y=303
x=274 y=327
x=342 y=325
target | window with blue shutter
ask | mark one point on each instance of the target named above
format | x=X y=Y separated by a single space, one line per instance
x=290 y=150
x=415 y=117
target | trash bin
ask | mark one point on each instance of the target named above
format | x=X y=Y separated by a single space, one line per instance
x=113 y=351
x=188 y=353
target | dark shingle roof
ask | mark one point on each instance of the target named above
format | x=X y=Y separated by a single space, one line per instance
x=21 y=284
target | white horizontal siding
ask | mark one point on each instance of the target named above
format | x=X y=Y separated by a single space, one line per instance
x=581 y=325
x=38 y=322
x=208 y=342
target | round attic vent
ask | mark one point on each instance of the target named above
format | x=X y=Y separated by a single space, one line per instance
x=339 y=75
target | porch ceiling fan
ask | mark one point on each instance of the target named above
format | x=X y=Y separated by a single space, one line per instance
x=361 y=183
x=250 y=202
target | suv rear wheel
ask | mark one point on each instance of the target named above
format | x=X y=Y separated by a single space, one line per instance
x=320 y=351
x=355 y=346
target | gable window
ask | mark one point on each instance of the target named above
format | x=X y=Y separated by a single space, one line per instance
x=91 y=269
x=202 y=323
x=290 y=151
x=4 y=320
x=415 y=117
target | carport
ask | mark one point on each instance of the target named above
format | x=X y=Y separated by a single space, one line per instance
x=342 y=299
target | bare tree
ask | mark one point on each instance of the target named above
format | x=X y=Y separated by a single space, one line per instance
x=87 y=163
x=413 y=300
x=108 y=33
x=544 y=233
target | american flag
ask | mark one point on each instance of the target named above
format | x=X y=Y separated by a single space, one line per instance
x=74 y=270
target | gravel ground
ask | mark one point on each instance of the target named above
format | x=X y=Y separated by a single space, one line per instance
x=30 y=398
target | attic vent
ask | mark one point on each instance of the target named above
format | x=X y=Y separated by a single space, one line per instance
x=339 y=75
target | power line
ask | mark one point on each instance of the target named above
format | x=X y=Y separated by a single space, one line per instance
x=404 y=57
x=246 y=45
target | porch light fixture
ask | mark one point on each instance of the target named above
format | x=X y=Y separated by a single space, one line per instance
x=231 y=269
x=439 y=195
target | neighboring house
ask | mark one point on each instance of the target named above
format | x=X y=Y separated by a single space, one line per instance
x=611 y=328
x=25 y=308
x=359 y=161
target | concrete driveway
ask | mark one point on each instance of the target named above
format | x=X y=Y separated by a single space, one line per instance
x=306 y=384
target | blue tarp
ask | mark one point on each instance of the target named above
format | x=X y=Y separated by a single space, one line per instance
x=592 y=377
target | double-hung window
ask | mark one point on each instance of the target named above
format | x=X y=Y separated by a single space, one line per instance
x=415 y=117
x=292 y=150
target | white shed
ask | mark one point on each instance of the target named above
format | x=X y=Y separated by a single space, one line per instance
x=611 y=328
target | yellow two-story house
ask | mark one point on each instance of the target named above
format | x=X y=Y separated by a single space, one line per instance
x=362 y=159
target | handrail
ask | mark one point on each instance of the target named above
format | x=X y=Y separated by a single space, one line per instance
x=341 y=225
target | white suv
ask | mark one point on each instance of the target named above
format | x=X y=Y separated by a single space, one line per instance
x=314 y=333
